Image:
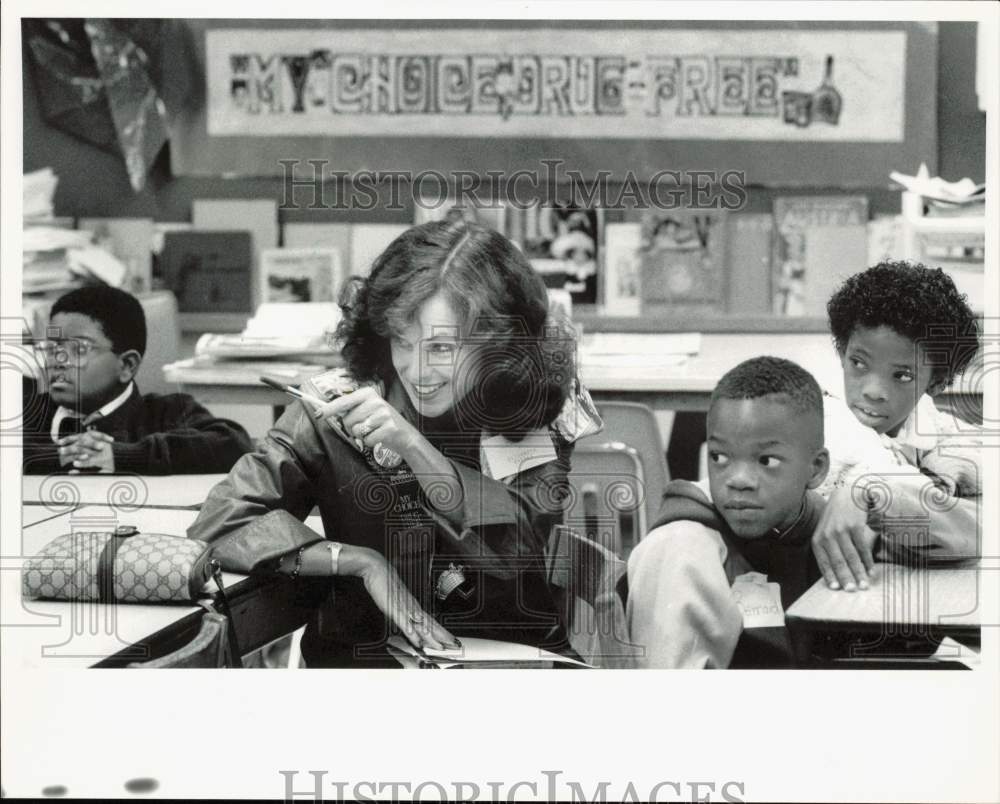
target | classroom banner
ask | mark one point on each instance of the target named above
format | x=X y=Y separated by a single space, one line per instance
x=773 y=85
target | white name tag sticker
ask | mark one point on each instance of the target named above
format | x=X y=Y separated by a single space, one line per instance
x=502 y=458
x=759 y=600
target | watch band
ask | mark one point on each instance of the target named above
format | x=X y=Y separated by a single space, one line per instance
x=335 y=548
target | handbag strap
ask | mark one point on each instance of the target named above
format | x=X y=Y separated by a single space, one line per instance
x=234 y=645
x=106 y=563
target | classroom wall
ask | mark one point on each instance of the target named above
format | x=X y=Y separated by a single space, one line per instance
x=961 y=126
x=94 y=183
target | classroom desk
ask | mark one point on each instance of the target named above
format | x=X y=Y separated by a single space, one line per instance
x=685 y=387
x=904 y=605
x=126 y=492
x=47 y=634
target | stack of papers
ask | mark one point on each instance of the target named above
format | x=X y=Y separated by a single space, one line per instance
x=55 y=258
x=945 y=198
x=234 y=372
x=490 y=654
x=628 y=352
x=295 y=329
x=46 y=265
x=39 y=190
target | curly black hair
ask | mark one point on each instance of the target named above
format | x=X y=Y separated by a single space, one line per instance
x=920 y=303
x=524 y=366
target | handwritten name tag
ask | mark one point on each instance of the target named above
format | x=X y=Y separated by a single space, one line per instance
x=501 y=458
x=759 y=601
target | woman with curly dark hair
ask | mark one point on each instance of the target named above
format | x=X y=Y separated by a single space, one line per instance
x=437 y=457
x=903 y=333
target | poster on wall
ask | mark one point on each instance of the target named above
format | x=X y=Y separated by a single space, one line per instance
x=712 y=84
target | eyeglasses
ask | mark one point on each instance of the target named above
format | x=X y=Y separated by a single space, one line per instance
x=69 y=349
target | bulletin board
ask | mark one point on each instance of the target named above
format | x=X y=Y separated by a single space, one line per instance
x=798 y=104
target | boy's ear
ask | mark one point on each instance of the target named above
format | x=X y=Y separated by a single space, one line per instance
x=820 y=466
x=128 y=365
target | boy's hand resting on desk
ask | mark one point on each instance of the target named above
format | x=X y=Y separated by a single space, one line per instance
x=367 y=416
x=90 y=450
x=843 y=543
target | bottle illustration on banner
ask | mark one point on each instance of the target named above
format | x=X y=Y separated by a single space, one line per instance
x=826 y=100
x=824 y=105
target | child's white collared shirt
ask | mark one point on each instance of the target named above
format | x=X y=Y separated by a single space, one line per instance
x=63 y=412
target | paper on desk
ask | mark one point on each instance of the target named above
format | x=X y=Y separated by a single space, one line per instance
x=53 y=238
x=246 y=347
x=293 y=319
x=961 y=191
x=203 y=369
x=951 y=651
x=38 y=191
x=99 y=263
x=475 y=650
x=650 y=346
x=484 y=651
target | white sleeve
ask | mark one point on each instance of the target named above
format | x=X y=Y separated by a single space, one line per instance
x=680 y=609
x=855 y=450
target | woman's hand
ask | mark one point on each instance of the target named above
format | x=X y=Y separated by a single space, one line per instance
x=843 y=543
x=366 y=415
x=401 y=608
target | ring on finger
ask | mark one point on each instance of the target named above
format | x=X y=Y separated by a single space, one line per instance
x=365 y=428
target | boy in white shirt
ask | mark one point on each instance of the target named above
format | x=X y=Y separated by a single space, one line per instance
x=902 y=332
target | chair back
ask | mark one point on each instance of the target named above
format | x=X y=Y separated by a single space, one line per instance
x=634 y=426
x=208 y=649
x=607 y=490
x=595 y=585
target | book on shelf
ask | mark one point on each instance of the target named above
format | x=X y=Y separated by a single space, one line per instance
x=793 y=217
x=310 y=274
x=748 y=261
x=209 y=272
x=622 y=258
x=683 y=260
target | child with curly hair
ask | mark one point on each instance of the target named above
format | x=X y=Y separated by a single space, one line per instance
x=903 y=332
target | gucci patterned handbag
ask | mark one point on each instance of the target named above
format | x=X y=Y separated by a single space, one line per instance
x=119 y=566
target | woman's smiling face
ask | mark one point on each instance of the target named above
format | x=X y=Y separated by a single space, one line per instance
x=430 y=359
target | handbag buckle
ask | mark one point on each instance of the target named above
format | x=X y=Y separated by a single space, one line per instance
x=126 y=530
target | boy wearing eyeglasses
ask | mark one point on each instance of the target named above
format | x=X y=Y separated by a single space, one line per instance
x=93 y=417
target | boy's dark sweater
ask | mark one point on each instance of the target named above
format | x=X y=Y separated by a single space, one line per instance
x=787 y=559
x=154 y=435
